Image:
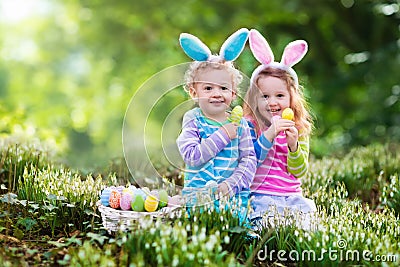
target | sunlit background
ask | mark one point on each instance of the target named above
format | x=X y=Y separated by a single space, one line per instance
x=68 y=69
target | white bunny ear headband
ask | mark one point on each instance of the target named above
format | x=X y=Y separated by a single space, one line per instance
x=292 y=54
x=230 y=50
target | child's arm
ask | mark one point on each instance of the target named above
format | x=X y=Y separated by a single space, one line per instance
x=261 y=144
x=243 y=175
x=298 y=160
x=196 y=151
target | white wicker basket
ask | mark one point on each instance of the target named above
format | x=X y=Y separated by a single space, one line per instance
x=115 y=220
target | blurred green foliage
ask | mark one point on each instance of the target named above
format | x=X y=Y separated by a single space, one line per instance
x=68 y=69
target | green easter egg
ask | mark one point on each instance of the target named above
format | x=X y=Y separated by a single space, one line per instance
x=163 y=196
x=138 y=203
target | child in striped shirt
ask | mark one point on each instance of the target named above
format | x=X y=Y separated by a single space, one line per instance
x=215 y=150
x=281 y=145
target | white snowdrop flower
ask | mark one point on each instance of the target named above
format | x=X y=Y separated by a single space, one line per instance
x=202 y=236
x=159 y=258
x=175 y=261
x=362 y=236
x=226 y=239
x=184 y=233
x=166 y=232
x=209 y=245
x=184 y=248
x=190 y=256
x=194 y=240
x=163 y=243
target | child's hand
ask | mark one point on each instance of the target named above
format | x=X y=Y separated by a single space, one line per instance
x=277 y=125
x=231 y=130
x=292 y=136
x=223 y=188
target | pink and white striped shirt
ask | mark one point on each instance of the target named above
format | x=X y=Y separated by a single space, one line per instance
x=278 y=169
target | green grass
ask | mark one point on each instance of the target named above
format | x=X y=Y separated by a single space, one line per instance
x=48 y=217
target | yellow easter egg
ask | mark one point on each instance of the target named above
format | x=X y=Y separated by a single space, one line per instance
x=151 y=203
x=236 y=114
x=287 y=114
x=127 y=191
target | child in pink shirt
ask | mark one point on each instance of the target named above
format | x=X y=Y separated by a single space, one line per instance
x=281 y=145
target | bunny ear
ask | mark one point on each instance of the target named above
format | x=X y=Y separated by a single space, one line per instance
x=294 y=52
x=194 y=47
x=260 y=48
x=234 y=45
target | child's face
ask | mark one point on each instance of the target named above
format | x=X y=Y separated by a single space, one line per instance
x=274 y=97
x=213 y=92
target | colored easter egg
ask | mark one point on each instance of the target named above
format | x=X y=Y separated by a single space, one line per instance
x=127 y=190
x=138 y=203
x=236 y=114
x=105 y=196
x=120 y=189
x=146 y=190
x=151 y=203
x=132 y=188
x=163 y=198
x=126 y=199
x=142 y=193
x=115 y=199
x=287 y=114
x=154 y=193
x=175 y=201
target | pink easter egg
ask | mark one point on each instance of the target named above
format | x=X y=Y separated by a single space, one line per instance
x=126 y=199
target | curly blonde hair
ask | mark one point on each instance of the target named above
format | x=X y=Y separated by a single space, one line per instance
x=214 y=62
x=298 y=103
